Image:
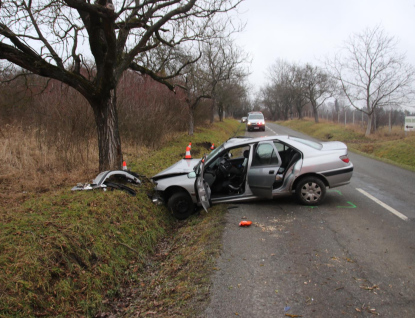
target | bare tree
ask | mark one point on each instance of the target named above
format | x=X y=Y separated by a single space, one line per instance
x=270 y=98
x=372 y=73
x=224 y=62
x=231 y=95
x=196 y=88
x=287 y=87
x=297 y=88
x=278 y=95
x=318 y=87
x=58 y=39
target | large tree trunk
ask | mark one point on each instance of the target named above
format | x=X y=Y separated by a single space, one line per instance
x=316 y=115
x=315 y=111
x=109 y=142
x=212 y=110
x=300 y=113
x=220 y=111
x=285 y=113
x=191 y=121
x=369 y=124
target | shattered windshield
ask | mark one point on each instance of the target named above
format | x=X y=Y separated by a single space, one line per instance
x=209 y=157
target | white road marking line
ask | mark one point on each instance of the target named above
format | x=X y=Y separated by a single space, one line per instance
x=270 y=129
x=387 y=207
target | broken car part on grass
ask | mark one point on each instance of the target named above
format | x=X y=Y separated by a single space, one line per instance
x=112 y=179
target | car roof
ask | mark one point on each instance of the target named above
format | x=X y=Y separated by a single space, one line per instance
x=244 y=140
x=256 y=115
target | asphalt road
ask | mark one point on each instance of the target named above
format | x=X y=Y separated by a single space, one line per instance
x=353 y=256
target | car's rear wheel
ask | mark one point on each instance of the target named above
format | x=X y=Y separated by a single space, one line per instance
x=181 y=205
x=310 y=191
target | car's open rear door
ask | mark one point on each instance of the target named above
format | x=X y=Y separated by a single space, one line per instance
x=202 y=187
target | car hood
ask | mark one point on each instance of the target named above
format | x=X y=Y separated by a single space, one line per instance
x=183 y=166
x=333 y=145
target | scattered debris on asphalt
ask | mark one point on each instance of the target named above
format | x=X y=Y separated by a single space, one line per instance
x=370 y=288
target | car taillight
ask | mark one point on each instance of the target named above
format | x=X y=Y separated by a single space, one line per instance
x=345 y=159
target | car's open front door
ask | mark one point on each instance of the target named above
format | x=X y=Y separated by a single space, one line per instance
x=263 y=170
x=202 y=187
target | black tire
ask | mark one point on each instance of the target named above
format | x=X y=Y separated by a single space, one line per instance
x=181 y=205
x=310 y=191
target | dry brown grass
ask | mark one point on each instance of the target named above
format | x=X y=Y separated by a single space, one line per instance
x=30 y=164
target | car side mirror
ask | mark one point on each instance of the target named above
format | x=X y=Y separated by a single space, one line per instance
x=191 y=175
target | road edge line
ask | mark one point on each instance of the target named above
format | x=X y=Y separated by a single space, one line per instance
x=387 y=207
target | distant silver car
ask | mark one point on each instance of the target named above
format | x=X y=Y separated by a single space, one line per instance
x=243 y=120
x=246 y=168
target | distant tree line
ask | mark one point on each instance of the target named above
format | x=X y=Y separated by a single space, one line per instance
x=367 y=75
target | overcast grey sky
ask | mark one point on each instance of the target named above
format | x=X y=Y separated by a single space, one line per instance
x=305 y=31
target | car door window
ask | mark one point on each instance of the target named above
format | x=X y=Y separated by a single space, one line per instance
x=280 y=147
x=265 y=155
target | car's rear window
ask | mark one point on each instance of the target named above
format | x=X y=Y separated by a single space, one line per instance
x=310 y=143
x=256 y=116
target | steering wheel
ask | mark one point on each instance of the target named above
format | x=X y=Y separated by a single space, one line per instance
x=225 y=166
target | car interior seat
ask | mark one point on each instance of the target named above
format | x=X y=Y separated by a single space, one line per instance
x=239 y=186
x=282 y=171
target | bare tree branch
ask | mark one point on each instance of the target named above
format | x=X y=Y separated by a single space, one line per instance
x=372 y=73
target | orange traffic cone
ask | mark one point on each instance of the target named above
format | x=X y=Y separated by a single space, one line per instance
x=190 y=145
x=188 y=155
x=124 y=165
x=245 y=223
x=212 y=147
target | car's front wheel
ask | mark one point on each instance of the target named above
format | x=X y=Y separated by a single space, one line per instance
x=310 y=191
x=181 y=205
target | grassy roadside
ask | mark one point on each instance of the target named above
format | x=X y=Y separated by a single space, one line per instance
x=77 y=254
x=392 y=147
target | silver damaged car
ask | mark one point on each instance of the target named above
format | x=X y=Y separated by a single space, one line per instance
x=245 y=168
